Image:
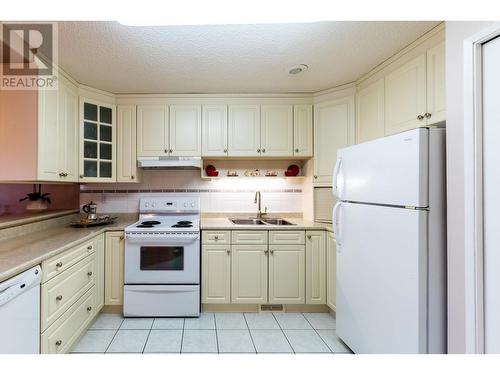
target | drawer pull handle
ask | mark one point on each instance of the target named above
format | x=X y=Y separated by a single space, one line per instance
x=89 y=247
x=428 y=115
x=59 y=342
x=59 y=298
x=89 y=308
x=121 y=238
x=297 y=150
x=89 y=273
x=272 y=252
x=309 y=236
x=59 y=264
x=420 y=117
x=216 y=238
x=228 y=252
x=266 y=252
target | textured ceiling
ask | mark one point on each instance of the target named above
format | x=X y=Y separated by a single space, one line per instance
x=228 y=58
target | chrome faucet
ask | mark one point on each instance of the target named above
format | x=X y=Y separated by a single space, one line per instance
x=257 y=201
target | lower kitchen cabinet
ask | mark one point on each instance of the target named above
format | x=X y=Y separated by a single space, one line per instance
x=287 y=274
x=216 y=274
x=100 y=265
x=114 y=263
x=331 y=270
x=249 y=273
x=315 y=267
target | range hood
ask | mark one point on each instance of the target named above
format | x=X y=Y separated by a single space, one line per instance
x=169 y=162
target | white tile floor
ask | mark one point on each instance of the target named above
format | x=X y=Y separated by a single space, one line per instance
x=214 y=333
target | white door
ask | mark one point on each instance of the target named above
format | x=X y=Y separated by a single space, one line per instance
x=152 y=130
x=214 y=130
x=491 y=199
x=244 y=130
x=249 y=273
x=276 y=126
x=287 y=274
x=216 y=274
x=391 y=170
x=405 y=97
x=436 y=84
x=126 y=130
x=302 y=130
x=370 y=112
x=185 y=130
x=381 y=279
x=315 y=267
x=333 y=130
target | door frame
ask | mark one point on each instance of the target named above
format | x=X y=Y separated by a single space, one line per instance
x=473 y=188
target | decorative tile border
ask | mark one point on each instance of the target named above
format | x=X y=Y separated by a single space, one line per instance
x=114 y=191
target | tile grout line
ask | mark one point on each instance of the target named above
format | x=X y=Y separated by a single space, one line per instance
x=182 y=335
x=147 y=338
x=305 y=317
x=250 y=333
x=283 y=332
x=216 y=335
x=107 y=348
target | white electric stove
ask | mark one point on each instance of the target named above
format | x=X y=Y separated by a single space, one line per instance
x=162 y=259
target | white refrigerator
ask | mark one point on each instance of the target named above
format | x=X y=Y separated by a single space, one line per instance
x=390 y=227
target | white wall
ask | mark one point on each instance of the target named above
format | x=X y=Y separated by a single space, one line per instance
x=456 y=33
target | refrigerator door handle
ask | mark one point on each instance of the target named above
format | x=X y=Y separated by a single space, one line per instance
x=335 y=177
x=336 y=230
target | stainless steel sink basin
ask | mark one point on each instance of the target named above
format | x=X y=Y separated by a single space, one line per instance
x=278 y=222
x=247 y=221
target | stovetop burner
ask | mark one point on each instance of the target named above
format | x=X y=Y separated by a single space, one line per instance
x=182 y=226
x=150 y=222
x=145 y=226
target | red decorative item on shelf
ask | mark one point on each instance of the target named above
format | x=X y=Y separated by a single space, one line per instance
x=211 y=171
x=293 y=170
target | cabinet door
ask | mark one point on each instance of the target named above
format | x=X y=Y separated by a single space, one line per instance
x=185 y=130
x=68 y=132
x=333 y=129
x=49 y=137
x=436 y=84
x=276 y=126
x=244 y=130
x=152 y=130
x=331 y=270
x=405 y=97
x=287 y=274
x=97 y=141
x=114 y=261
x=370 y=112
x=214 y=130
x=249 y=273
x=302 y=130
x=315 y=267
x=100 y=265
x=216 y=274
x=126 y=144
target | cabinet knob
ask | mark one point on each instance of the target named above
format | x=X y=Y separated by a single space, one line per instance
x=59 y=264
x=271 y=251
x=89 y=273
x=225 y=150
x=216 y=238
x=82 y=176
x=170 y=151
x=315 y=176
x=258 y=150
x=420 y=117
x=122 y=237
x=165 y=151
x=309 y=236
x=61 y=174
x=228 y=252
x=428 y=115
x=132 y=177
x=266 y=252
x=296 y=150
x=59 y=298
x=89 y=308
x=263 y=150
x=59 y=342
x=89 y=247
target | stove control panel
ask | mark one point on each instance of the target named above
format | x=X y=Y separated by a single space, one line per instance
x=170 y=204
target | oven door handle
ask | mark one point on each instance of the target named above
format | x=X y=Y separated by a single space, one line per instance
x=135 y=237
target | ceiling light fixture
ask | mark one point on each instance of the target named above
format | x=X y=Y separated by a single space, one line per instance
x=297 y=69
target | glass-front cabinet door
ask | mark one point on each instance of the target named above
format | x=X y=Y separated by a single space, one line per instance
x=97 y=141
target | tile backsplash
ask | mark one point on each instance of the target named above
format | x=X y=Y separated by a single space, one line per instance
x=221 y=195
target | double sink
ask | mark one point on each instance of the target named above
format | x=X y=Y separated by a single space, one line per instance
x=253 y=221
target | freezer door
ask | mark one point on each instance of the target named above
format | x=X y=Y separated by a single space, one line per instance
x=381 y=278
x=391 y=170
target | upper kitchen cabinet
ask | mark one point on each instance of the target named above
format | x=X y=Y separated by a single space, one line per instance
x=302 y=131
x=39 y=134
x=436 y=84
x=185 y=130
x=370 y=112
x=333 y=129
x=126 y=129
x=214 y=130
x=244 y=130
x=276 y=127
x=152 y=130
x=97 y=141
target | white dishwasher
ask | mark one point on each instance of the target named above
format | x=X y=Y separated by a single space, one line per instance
x=20 y=313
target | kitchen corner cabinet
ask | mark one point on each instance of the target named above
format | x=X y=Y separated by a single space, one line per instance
x=244 y=130
x=97 y=141
x=333 y=129
x=370 y=112
x=331 y=270
x=276 y=128
x=249 y=273
x=302 y=130
x=114 y=268
x=214 y=130
x=126 y=145
x=315 y=267
x=216 y=273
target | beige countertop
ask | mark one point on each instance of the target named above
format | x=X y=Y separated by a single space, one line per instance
x=7 y=221
x=23 y=252
x=223 y=223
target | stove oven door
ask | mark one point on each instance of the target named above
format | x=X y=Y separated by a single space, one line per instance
x=162 y=259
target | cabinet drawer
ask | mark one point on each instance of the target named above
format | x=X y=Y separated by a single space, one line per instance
x=287 y=237
x=61 y=335
x=61 y=262
x=249 y=237
x=65 y=289
x=222 y=237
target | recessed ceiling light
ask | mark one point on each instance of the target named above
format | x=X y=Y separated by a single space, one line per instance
x=297 y=69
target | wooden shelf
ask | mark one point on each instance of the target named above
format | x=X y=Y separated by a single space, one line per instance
x=241 y=166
